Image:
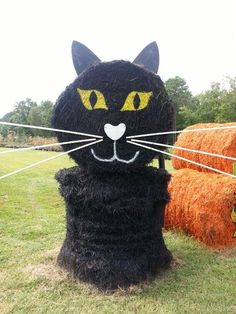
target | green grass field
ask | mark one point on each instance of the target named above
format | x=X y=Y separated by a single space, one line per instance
x=32 y=228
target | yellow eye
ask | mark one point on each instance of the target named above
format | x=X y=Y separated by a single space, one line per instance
x=136 y=101
x=92 y=99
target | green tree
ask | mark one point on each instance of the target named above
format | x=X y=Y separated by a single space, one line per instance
x=3 y=128
x=181 y=97
x=227 y=111
x=21 y=111
x=41 y=116
x=209 y=104
x=218 y=104
x=28 y=112
x=20 y=115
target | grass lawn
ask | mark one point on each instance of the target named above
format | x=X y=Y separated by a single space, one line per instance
x=32 y=228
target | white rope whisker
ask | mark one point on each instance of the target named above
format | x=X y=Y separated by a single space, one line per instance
x=185 y=149
x=48 y=129
x=182 y=131
x=45 y=145
x=182 y=158
x=48 y=159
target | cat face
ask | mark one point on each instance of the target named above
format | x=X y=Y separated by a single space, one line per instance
x=114 y=100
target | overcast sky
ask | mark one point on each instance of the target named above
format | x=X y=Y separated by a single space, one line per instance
x=196 y=39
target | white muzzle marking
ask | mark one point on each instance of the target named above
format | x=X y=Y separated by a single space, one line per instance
x=115 y=132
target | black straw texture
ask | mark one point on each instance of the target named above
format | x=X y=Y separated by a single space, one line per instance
x=114 y=226
x=114 y=209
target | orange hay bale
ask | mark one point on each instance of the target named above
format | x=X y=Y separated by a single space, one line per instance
x=222 y=142
x=201 y=205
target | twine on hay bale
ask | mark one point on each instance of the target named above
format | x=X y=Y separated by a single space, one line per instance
x=201 y=205
x=222 y=142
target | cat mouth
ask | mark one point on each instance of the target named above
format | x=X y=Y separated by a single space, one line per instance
x=115 y=156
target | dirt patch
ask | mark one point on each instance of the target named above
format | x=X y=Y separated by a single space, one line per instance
x=50 y=255
x=132 y=290
x=54 y=273
x=226 y=253
x=49 y=271
x=177 y=262
x=48 y=268
x=5 y=308
x=3 y=277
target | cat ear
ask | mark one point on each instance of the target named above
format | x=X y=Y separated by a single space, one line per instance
x=82 y=57
x=149 y=58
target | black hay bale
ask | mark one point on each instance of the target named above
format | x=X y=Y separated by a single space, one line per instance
x=114 y=226
x=115 y=203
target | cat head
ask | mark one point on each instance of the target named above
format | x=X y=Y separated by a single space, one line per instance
x=113 y=100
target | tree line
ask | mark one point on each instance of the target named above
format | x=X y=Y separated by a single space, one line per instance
x=218 y=104
x=29 y=112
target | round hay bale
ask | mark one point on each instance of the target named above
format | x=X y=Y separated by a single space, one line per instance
x=201 y=205
x=222 y=142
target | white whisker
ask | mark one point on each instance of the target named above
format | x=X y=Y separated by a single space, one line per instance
x=183 y=131
x=185 y=159
x=48 y=129
x=48 y=159
x=45 y=145
x=186 y=149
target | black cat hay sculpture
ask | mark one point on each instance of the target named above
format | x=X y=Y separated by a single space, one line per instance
x=115 y=202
